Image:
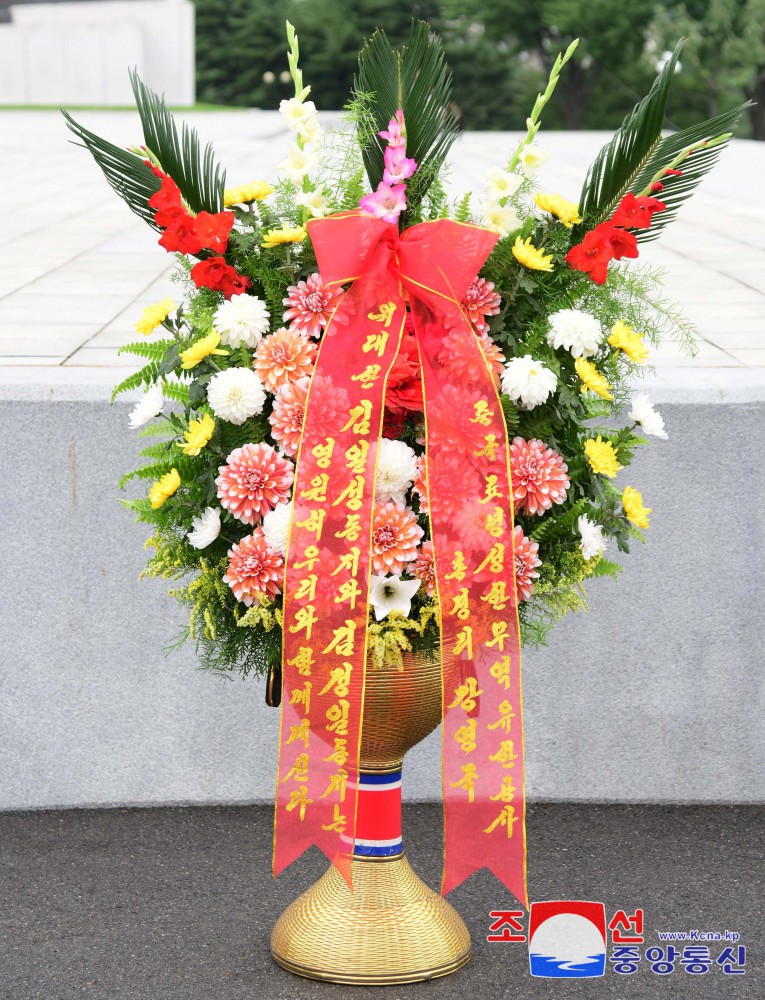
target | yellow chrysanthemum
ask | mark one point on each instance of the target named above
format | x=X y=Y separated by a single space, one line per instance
x=632 y=501
x=535 y=259
x=284 y=235
x=592 y=379
x=255 y=191
x=200 y=350
x=566 y=211
x=153 y=315
x=602 y=457
x=624 y=338
x=198 y=434
x=164 y=488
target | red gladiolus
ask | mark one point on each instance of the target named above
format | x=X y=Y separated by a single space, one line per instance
x=213 y=230
x=657 y=186
x=636 y=212
x=593 y=254
x=180 y=234
x=216 y=274
x=623 y=243
x=669 y=172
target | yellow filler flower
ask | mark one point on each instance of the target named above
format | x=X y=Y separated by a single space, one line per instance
x=200 y=350
x=274 y=237
x=198 y=434
x=153 y=315
x=255 y=191
x=566 y=211
x=602 y=456
x=592 y=379
x=624 y=338
x=634 y=511
x=164 y=488
x=534 y=259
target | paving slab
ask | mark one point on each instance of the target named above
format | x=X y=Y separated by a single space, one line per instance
x=179 y=903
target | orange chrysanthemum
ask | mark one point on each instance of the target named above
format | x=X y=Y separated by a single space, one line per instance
x=254 y=571
x=425 y=568
x=526 y=563
x=253 y=481
x=284 y=357
x=329 y=407
x=463 y=363
x=395 y=536
x=539 y=476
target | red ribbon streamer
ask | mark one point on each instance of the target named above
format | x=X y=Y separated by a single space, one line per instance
x=328 y=562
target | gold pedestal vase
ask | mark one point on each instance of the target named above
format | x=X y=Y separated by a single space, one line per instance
x=392 y=928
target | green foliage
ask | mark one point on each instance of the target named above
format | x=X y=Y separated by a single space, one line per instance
x=417 y=79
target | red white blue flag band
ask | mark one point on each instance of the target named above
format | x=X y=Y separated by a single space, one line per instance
x=378 y=817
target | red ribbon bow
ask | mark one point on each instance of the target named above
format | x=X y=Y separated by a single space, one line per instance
x=469 y=502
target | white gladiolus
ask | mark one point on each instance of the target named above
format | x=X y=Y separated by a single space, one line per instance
x=276 y=528
x=236 y=394
x=205 y=528
x=576 y=331
x=643 y=413
x=593 y=543
x=296 y=113
x=243 y=319
x=299 y=163
x=148 y=406
x=501 y=183
x=314 y=201
x=396 y=470
x=391 y=593
x=500 y=219
x=532 y=158
x=528 y=382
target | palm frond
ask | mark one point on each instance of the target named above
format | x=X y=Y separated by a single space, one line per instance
x=417 y=80
x=127 y=173
x=194 y=170
x=623 y=159
x=679 y=189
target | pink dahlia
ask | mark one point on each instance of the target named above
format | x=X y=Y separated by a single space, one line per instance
x=310 y=305
x=395 y=535
x=254 y=570
x=526 y=563
x=539 y=476
x=425 y=568
x=480 y=301
x=329 y=407
x=463 y=363
x=253 y=481
x=453 y=479
x=285 y=356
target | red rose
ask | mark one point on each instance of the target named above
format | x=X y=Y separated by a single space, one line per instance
x=636 y=213
x=213 y=230
x=594 y=252
x=216 y=274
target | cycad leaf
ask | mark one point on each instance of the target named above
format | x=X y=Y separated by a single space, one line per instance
x=417 y=80
x=700 y=162
x=623 y=159
x=194 y=170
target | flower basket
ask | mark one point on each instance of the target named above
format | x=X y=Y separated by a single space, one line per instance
x=382 y=429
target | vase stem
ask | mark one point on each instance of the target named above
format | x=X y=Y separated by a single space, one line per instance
x=378 y=815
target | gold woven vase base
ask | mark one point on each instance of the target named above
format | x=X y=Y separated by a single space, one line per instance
x=391 y=929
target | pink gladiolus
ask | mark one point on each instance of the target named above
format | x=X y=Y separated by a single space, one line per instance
x=396 y=135
x=387 y=202
x=397 y=166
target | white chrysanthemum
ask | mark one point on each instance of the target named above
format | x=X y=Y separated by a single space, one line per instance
x=593 y=543
x=236 y=394
x=391 y=593
x=501 y=183
x=148 y=406
x=243 y=319
x=577 y=331
x=502 y=220
x=296 y=113
x=643 y=413
x=396 y=470
x=314 y=201
x=276 y=528
x=528 y=382
x=532 y=158
x=205 y=528
x=299 y=162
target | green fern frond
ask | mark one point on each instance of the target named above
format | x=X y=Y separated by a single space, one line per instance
x=177 y=391
x=557 y=525
x=152 y=350
x=605 y=567
x=623 y=159
x=144 y=376
x=157 y=428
